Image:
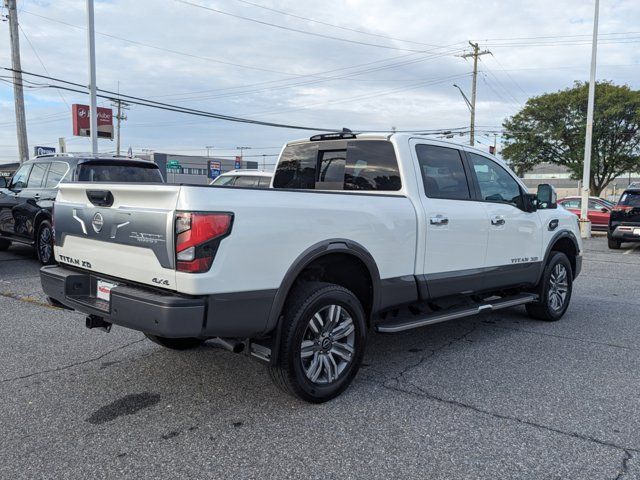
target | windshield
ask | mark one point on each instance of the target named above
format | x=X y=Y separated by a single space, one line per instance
x=630 y=199
x=111 y=171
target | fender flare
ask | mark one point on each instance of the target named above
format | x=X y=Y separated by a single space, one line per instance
x=320 y=249
x=559 y=235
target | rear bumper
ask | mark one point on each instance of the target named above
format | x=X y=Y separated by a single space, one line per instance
x=146 y=310
x=624 y=233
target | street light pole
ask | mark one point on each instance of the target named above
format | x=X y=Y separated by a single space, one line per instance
x=585 y=224
x=93 y=109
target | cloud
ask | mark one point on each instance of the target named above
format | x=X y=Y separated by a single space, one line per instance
x=201 y=59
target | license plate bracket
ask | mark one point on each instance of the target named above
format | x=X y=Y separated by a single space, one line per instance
x=636 y=231
x=103 y=290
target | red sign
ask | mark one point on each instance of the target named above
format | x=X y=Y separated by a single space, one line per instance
x=82 y=123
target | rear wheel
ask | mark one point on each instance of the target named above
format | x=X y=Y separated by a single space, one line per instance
x=322 y=342
x=44 y=243
x=554 y=289
x=613 y=244
x=4 y=244
x=175 y=343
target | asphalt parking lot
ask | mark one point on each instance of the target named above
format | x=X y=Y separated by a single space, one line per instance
x=493 y=396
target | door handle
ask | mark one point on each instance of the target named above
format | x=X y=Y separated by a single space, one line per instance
x=439 y=220
x=497 y=220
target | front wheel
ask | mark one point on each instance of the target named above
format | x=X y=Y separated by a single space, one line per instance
x=44 y=244
x=554 y=289
x=322 y=342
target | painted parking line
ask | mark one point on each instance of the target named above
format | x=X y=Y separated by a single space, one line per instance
x=631 y=250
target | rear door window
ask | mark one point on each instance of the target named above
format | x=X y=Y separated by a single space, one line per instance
x=443 y=172
x=57 y=171
x=113 y=171
x=38 y=173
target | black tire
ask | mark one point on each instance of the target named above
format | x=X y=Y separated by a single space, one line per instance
x=303 y=305
x=44 y=243
x=4 y=244
x=176 y=343
x=613 y=244
x=551 y=306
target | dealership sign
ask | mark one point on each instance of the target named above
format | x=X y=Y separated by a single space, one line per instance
x=82 y=123
x=43 y=150
x=215 y=169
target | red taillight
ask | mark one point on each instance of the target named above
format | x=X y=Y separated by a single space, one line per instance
x=197 y=239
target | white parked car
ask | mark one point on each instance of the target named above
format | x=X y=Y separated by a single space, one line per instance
x=243 y=178
x=357 y=232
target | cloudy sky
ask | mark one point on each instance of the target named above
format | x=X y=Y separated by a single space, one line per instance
x=362 y=64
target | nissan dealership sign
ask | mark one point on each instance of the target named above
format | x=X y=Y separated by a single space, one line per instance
x=82 y=123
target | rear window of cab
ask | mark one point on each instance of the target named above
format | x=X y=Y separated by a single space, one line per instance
x=364 y=165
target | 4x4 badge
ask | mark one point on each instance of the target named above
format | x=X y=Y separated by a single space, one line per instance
x=97 y=222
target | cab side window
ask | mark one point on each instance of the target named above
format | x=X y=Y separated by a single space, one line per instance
x=38 y=172
x=19 y=180
x=443 y=172
x=496 y=185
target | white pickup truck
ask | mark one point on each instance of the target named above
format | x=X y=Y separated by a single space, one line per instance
x=357 y=233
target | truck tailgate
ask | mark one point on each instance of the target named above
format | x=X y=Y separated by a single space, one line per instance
x=118 y=230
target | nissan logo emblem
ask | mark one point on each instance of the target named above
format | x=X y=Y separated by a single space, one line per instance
x=97 y=222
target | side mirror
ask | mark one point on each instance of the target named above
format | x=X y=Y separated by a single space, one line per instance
x=604 y=210
x=529 y=201
x=3 y=182
x=547 y=197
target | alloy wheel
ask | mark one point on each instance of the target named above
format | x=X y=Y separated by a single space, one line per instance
x=45 y=247
x=328 y=344
x=558 y=287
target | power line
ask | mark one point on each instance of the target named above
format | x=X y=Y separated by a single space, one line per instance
x=297 y=30
x=107 y=94
x=363 y=32
x=40 y=60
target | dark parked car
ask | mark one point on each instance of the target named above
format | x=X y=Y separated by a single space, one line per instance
x=624 y=222
x=27 y=198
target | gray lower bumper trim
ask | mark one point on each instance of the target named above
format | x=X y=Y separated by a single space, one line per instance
x=165 y=315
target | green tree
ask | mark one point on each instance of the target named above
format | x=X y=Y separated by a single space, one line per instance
x=551 y=128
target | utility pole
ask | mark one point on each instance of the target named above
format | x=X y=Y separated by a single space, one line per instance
x=585 y=224
x=475 y=54
x=18 y=96
x=209 y=147
x=120 y=116
x=93 y=109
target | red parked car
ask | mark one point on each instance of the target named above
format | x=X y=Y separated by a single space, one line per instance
x=599 y=210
